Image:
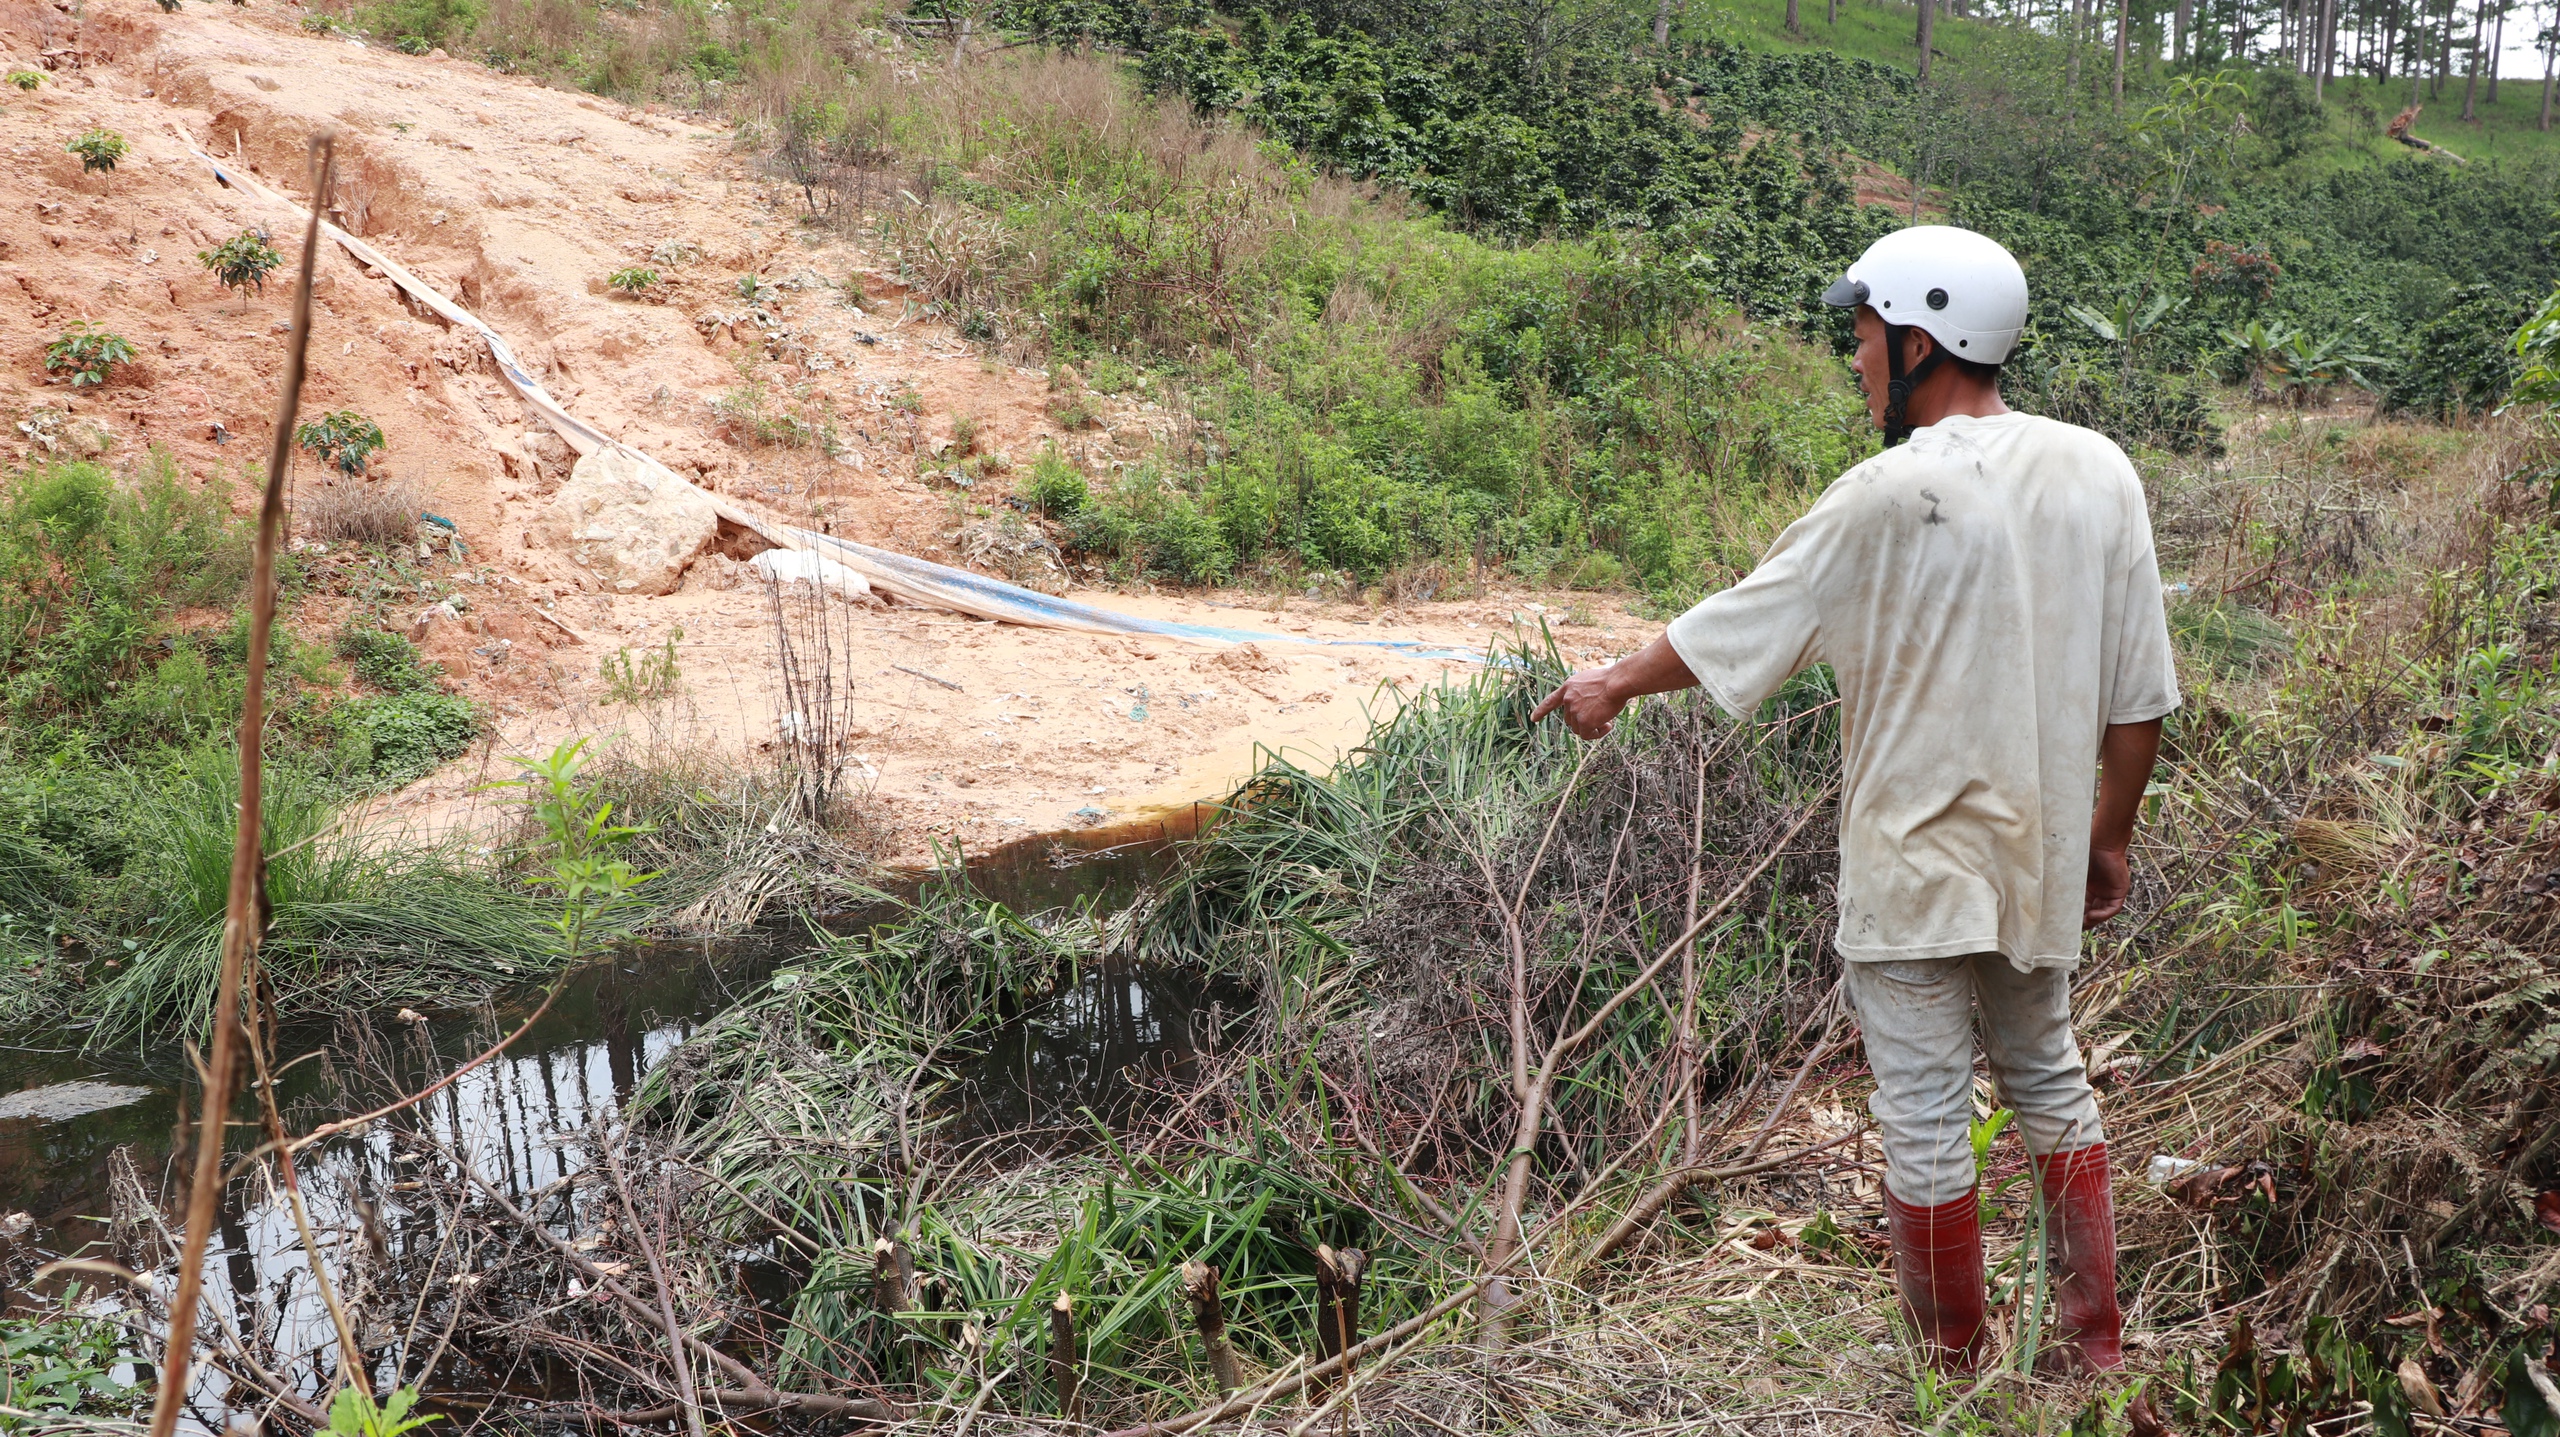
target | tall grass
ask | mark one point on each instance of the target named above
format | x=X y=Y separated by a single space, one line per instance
x=355 y=921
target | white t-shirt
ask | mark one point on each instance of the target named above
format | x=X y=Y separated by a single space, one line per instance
x=1988 y=595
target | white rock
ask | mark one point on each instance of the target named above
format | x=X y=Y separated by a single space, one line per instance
x=793 y=566
x=632 y=523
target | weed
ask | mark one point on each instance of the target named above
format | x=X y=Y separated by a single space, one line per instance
x=242 y=262
x=632 y=281
x=389 y=740
x=89 y=351
x=646 y=677
x=355 y=1414
x=907 y=401
x=59 y=1367
x=672 y=252
x=98 y=150
x=26 y=79
x=964 y=434
x=381 y=513
x=343 y=439
x=597 y=889
x=757 y=291
x=386 y=660
x=325 y=24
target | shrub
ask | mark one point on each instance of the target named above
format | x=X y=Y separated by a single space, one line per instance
x=386 y=660
x=242 y=262
x=634 y=280
x=90 y=571
x=1057 y=489
x=26 y=79
x=98 y=150
x=398 y=737
x=380 y=512
x=1183 y=541
x=343 y=439
x=417 y=26
x=89 y=352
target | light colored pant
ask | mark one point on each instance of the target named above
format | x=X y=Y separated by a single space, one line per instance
x=1918 y=1018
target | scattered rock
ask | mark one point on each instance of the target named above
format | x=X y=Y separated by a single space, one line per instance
x=633 y=525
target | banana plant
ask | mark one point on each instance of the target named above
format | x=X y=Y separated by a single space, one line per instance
x=2254 y=347
x=2304 y=362
x=2125 y=327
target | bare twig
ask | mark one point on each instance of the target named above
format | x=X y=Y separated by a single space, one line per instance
x=246 y=904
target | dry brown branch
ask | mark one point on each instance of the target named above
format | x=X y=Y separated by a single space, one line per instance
x=245 y=907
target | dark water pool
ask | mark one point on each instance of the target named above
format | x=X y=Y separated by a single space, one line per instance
x=94 y=1126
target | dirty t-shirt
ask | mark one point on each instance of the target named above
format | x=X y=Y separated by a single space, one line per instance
x=1988 y=596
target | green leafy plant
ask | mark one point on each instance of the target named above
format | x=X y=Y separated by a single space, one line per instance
x=328 y=25
x=88 y=351
x=757 y=290
x=98 y=150
x=598 y=891
x=394 y=738
x=2125 y=327
x=242 y=262
x=355 y=1414
x=2537 y=344
x=632 y=281
x=343 y=439
x=26 y=79
x=643 y=677
x=62 y=1364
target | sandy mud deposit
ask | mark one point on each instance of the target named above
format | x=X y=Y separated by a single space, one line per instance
x=785 y=370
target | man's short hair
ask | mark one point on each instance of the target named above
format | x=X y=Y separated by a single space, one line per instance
x=1975 y=369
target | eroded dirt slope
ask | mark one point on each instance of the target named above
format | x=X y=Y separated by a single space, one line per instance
x=518 y=201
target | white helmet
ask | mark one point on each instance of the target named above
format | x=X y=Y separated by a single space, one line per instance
x=1963 y=288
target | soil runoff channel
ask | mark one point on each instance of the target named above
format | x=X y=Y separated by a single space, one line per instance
x=911 y=580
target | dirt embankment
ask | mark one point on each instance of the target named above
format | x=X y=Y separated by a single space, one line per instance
x=813 y=391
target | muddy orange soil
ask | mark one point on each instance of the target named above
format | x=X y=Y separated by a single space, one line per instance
x=517 y=201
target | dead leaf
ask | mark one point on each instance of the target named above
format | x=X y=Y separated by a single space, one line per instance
x=2422 y=1391
x=2546 y=1208
x=2361 y=1049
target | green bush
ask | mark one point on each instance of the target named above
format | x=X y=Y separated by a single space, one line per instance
x=26 y=79
x=634 y=280
x=417 y=26
x=386 y=660
x=1056 y=489
x=90 y=572
x=2450 y=369
x=394 y=738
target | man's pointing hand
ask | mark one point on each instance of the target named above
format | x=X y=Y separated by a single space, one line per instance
x=1592 y=699
x=1588 y=702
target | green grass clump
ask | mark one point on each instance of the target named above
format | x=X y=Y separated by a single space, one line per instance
x=359 y=919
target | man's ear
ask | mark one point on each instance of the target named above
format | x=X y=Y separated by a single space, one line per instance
x=1919 y=346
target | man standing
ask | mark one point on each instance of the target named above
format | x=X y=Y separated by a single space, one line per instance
x=1986 y=592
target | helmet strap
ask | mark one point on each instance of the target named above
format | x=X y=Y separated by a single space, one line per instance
x=1897 y=394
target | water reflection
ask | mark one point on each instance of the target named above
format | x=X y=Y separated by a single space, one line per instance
x=1095 y=1050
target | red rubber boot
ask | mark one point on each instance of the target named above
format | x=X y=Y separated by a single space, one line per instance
x=1937 y=1263
x=2080 y=1257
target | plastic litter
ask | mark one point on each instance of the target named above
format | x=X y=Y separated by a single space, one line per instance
x=2165 y=1169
